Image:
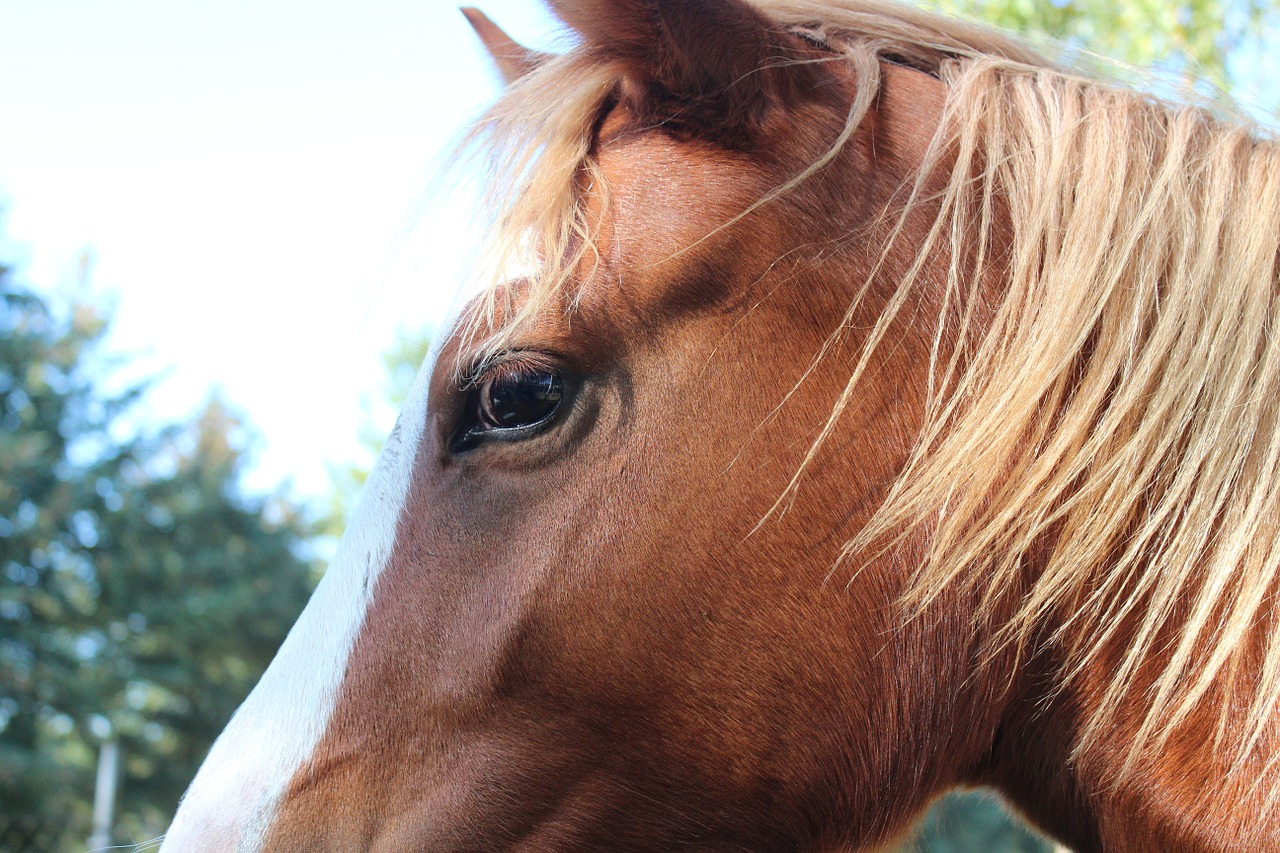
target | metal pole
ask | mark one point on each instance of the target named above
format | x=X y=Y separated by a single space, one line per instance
x=104 y=794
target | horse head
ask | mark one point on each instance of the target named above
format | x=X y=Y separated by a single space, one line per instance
x=657 y=557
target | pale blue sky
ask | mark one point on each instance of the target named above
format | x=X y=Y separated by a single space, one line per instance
x=245 y=172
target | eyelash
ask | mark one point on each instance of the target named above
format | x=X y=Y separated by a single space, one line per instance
x=510 y=400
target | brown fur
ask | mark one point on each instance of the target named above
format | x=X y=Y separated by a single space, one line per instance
x=588 y=641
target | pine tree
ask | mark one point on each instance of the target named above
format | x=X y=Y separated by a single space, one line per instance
x=141 y=592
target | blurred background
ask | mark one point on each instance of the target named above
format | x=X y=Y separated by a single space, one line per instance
x=221 y=261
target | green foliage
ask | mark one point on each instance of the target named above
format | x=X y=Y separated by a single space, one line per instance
x=143 y=594
x=1194 y=39
x=972 y=822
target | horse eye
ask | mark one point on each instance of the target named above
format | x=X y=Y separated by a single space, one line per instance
x=518 y=399
x=510 y=403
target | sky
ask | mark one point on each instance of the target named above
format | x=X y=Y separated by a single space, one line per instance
x=249 y=178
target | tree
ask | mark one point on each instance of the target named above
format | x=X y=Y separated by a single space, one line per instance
x=1197 y=40
x=143 y=592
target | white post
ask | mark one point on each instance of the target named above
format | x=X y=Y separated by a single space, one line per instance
x=104 y=794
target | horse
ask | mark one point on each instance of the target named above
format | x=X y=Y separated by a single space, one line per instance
x=857 y=405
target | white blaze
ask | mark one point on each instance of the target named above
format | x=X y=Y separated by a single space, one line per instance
x=232 y=801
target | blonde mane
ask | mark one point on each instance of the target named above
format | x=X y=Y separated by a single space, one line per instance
x=1120 y=405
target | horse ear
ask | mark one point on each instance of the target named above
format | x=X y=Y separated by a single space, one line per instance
x=721 y=54
x=513 y=60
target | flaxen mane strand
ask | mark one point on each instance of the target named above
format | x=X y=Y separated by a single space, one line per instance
x=534 y=143
x=1122 y=404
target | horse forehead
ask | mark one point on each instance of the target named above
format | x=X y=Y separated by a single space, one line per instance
x=663 y=198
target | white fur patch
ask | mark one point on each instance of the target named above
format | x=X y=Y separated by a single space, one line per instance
x=231 y=804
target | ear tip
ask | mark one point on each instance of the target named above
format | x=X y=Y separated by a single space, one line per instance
x=513 y=60
x=489 y=32
x=479 y=21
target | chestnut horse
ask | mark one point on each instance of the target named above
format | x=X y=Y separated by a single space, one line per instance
x=879 y=408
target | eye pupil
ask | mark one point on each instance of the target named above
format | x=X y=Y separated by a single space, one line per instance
x=510 y=402
x=519 y=399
